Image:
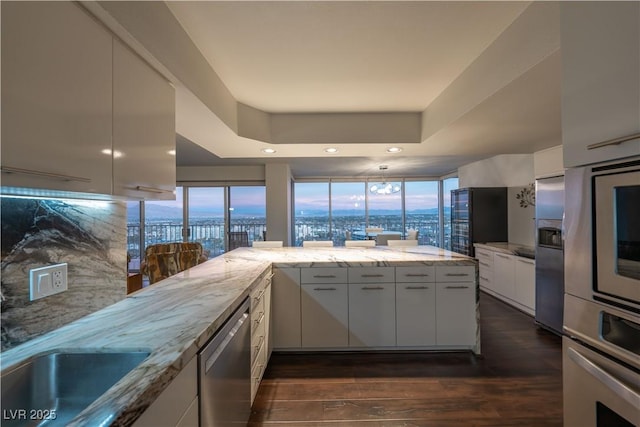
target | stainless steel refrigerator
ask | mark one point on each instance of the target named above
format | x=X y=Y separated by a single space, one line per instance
x=549 y=253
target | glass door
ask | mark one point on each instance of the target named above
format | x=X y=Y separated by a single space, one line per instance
x=247 y=216
x=206 y=219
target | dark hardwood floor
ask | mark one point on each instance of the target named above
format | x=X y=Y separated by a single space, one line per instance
x=516 y=382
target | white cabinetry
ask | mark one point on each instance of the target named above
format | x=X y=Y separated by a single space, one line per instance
x=177 y=405
x=504 y=271
x=56 y=98
x=144 y=138
x=325 y=307
x=508 y=277
x=600 y=80
x=372 y=307
x=80 y=111
x=485 y=268
x=525 y=282
x=260 y=316
x=285 y=306
x=415 y=306
x=456 y=306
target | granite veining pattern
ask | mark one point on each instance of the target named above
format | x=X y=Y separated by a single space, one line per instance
x=90 y=236
x=175 y=317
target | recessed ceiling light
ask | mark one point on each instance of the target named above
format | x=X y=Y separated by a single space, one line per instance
x=268 y=150
x=394 y=150
x=171 y=152
x=331 y=150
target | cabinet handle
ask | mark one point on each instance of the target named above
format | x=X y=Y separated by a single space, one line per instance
x=456 y=287
x=417 y=275
x=324 y=276
x=502 y=256
x=259 y=297
x=260 y=319
x=485 y=264
x=416 y=287
x=324 y=289
x=456 y=274
x=525 y=261
x=484 y=278
x=372 y=288
x=372 y=275
x=615 y=141
x=152 y=189
x=61 y=177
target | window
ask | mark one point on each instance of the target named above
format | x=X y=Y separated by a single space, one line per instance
x=206 y=219
x=385 y=210
x=311 y=208
x=348 y=209
x=328 y=210
x=134 y=242
x=248 y=212
x=163 y=220
x=422 y=211
x=448 y=184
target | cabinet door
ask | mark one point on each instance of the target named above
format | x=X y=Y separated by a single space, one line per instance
x=504 y=275
x=600 y=79
x=268 y=324
x=372 y=315
x=325 y=315
x=415 y=314
x=175 y=401
x=285 y=305
x=456 y=314
x=144 y=138
x=525 y=281
x=56 y=98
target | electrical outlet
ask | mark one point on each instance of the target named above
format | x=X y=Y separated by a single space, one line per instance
x=45 y=281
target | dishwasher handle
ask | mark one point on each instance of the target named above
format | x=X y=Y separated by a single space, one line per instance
x=225 y=342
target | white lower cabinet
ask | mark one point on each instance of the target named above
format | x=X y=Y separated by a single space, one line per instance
x=456 y=313
x=325 y=315
x=372 y=315
x=415 y=314
x=285 y=307
x=525 y=282
x=504 y=275
x=177 y=405
x=260 y=316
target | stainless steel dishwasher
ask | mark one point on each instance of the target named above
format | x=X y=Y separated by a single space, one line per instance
x=224 y=369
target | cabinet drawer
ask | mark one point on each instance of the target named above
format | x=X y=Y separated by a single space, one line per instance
x=456 y=274
x=323 y=275
x=258 y=322
x=372 y=275
x=484 y=255
x=257 y=348
x=416 y=274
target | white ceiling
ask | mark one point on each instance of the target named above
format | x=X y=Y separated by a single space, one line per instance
x=370 y=56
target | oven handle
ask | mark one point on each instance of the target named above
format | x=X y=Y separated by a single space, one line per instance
x=619 y=388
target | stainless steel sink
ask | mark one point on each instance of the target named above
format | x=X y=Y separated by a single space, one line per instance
x=51 y=389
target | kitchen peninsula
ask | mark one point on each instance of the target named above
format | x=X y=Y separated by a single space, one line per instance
x=364 y=298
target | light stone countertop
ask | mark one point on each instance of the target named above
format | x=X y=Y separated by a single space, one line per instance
x=508 y=248
x=174 y=318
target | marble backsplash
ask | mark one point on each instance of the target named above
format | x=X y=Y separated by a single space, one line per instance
x=90 y=236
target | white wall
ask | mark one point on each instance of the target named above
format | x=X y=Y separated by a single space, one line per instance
x=548 y=162
x=278 y=183
x=506 y=170
x=514 y=171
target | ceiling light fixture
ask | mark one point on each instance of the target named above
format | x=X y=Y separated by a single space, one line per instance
x=394 y=150
x=268 y=150
x=384 y=187
x=331 y=150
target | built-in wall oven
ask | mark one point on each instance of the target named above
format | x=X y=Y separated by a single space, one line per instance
x=601 y=350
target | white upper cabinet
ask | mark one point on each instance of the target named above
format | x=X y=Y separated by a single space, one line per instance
x=600 y=44
x=56 y=98
x=80 y=111
x=144 y=163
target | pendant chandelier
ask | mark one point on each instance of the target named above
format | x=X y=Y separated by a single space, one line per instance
x=384 y=187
